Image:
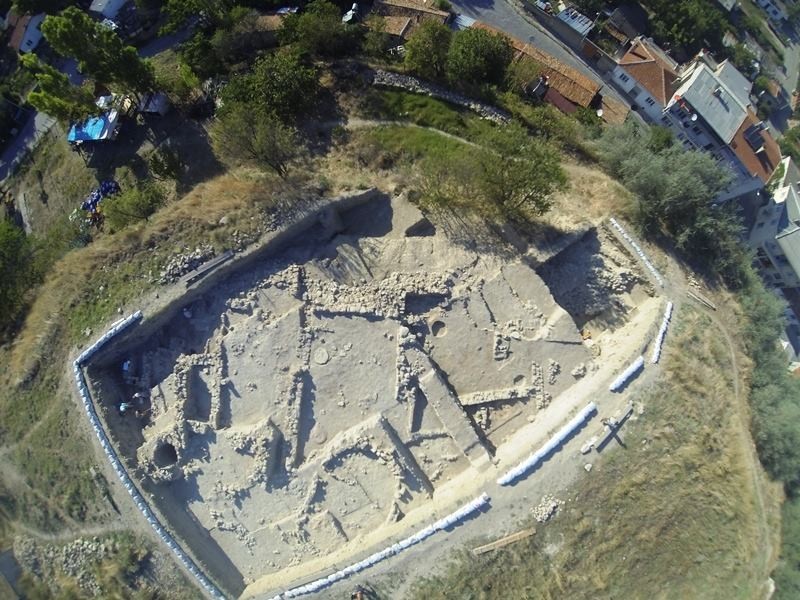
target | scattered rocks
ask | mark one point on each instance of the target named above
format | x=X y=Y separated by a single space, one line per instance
x=546 y=508
x=182 y=264
x=579 y=371
x=412 y=84
x=553 y=369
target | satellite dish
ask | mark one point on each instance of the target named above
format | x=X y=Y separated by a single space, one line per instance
x=694 y=118
x=599 y=113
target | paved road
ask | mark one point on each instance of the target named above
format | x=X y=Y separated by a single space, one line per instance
x=505 y=16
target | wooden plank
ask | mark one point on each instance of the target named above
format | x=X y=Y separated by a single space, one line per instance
x=509 y=539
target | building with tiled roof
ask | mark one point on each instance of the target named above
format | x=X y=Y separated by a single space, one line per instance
x=648 y=76
x=402 y=17
x=26 y=31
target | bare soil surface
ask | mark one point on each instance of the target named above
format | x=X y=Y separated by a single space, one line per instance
x=368 y=376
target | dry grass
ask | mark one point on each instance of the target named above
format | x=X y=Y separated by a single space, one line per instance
x=54 y=182
x=676 y=515
x=70 y=298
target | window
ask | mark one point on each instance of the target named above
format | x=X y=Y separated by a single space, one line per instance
x=697 y=130
x=624 y=77
x=649 y=101
x=665 y=120
x=708 y=146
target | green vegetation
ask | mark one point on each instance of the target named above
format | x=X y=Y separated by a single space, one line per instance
x=679 y=495
x=319 y=30
x=245 y=134
x=472 y=60
x=280 y=83
x=477 y=57
x=675 y=189
x=426 y=50
x=132 y=205
x=15 y=259
x=106 y=59
x=55 y=95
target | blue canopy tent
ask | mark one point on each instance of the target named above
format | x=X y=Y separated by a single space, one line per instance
x=95 y=129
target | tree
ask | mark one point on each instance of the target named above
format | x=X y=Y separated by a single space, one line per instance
x=55 y=95
x=742 y=58
x=517 y=172
x=376 y=40
x=279 y=82
x=132 y=205
x=251 y=134
x=178 y=12
x=661 y=138
x=689 y=25
x=318 y=30
x=99 y=51
x=676 y=192
x=426 y=50
x=477 y=57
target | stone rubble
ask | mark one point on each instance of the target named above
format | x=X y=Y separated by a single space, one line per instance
x=412 y=84
x=546 y=508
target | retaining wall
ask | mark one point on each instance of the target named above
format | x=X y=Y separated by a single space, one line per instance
x=117 y=328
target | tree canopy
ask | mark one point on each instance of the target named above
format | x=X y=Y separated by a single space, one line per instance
x=519 y=172
x=426 y=50
x=477 y=57
x=54 y=95
x=100 y=52
x=279 y=82
x=319 y=30
x=252 y=135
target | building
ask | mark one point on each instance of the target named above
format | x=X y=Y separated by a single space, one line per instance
x=775 y=236
x=710 y=110
x=774 y=8
x=627 y=22
x=402 y=17
x=648 y=76
x=728 y=5
x=107 y=9
x=26 y=32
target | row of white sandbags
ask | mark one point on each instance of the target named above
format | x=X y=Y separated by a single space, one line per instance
x=117 y=328
x=117 y=465
x=323 y=582
x=650 y=266
x=554 y=442
x=627 y=374
x=662 y=334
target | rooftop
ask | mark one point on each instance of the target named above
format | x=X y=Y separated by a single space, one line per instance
x=711 y=98
x=756 y=148
x=653 y=69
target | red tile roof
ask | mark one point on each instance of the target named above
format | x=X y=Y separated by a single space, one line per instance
x=650 y=69
x=20 y=25
x=763 y=163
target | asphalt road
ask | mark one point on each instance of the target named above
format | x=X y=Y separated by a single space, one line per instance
x=505 y=16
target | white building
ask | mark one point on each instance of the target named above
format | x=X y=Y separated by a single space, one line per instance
x=710 y=110
x=647 y=74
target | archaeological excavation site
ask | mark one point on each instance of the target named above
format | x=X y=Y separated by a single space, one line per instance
x=355 y=379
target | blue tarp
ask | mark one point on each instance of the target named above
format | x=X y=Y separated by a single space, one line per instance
x=91 y=129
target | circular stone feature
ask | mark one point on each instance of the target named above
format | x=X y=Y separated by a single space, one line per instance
x=165 y=455
x=438 y=329
x=321 y=356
